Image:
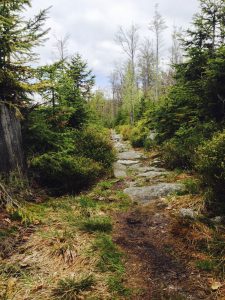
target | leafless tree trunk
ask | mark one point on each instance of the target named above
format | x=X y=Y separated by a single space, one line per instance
x=176 y=51
x=157 y=26
x=128 y=39
x=61 y=46
x=146 y=63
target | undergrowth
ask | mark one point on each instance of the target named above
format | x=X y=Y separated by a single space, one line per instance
x=66 y=229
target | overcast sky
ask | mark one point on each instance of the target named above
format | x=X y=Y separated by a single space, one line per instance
x=92 y=24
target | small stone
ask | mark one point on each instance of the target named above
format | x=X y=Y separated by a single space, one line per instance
x=216 y=285
x=217 y=220
x=188 y=213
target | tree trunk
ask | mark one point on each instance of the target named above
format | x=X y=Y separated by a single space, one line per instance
x=11 y=153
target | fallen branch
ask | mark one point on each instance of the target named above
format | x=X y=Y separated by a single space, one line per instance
x=5 y=199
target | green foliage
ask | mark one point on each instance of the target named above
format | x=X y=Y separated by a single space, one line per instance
x=205 y=265
x=18 y=37
x=180 y=108
x=94 y=143
x=210 y=164
x=44 y=131
x=179 y=151
x=139 y=134
x=70 y=158
x=62 y=172
x=125 y=130
x=191 y=186
x=70 y=288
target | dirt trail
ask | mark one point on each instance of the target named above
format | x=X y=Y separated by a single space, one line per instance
x=156 y=260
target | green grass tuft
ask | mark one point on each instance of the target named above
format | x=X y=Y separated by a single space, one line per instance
x=87 y=202
x=110 y=256
x=115 y=284
x=205 y=265
x=70 y=288
x=100 y=224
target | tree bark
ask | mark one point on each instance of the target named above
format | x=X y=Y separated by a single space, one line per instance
x=11 y=152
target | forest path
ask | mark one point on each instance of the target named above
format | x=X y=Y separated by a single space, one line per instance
x=74 y=245
x=157 y=266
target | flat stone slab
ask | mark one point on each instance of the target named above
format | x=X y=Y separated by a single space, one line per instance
x=119 y=170
x=129 y=155
x=140 y=169
x=128 y=162
x=152 y=174
x=135 y=167
x=147 y=193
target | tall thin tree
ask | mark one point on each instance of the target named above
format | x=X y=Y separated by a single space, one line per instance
x=157 y=26
x=128 y=39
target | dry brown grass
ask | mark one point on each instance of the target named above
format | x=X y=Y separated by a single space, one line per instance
x=195 y=202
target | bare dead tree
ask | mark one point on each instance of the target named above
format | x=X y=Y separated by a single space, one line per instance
x=157 y=26
x=176 y=50
x=146 y=64
x=61 y=46
x=128 y=39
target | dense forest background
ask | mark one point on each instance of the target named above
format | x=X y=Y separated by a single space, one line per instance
x=178 y=110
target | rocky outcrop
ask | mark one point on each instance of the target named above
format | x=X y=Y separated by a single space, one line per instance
x=147 y=193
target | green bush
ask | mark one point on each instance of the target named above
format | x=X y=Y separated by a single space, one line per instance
x=64 y=173
x=210 y=164
x=44 y=131
x=96 y=145
x=139 y=134
x=179 y=151
x=125 y=131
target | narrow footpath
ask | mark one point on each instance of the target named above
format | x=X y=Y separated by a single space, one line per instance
x=157 y=261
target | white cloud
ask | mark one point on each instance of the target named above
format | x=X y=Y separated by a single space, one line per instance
x=92 y=25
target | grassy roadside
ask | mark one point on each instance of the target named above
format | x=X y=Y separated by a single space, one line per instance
x=70 y=253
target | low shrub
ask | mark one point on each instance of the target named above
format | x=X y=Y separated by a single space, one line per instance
x=139 y=134
x=65 y=173
x=210 y=164
x=44 y=131
x=95 y=144
x=125 y=131
x=178 y=152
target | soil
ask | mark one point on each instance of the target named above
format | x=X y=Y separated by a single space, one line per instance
x=156 y=261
